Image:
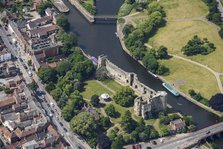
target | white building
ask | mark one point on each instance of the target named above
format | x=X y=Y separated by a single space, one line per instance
x=5 y=56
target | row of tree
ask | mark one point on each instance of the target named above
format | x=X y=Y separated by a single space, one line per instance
x=136 y=37
x=198 y=46
x=198 y=97
x=214 y=14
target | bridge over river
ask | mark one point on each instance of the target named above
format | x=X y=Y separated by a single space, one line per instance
x=192 y=139
x=105 y=19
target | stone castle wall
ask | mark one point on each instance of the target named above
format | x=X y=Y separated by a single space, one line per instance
x=150 y=100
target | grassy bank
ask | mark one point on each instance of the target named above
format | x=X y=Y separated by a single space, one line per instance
x=192 y=76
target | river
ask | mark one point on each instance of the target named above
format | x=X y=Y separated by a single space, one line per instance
x=96 y=39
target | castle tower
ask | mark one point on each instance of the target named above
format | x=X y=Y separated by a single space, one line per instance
x=102 y=60
x=137 y=106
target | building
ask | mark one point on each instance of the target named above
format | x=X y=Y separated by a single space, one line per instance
x=177 y=125
x=13 y=28
x=43 y=32
x=33 y=24
x=148 y=102
x=146 y=106
x=5 y=55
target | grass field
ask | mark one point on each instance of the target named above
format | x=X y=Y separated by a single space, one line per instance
x=195 y=77
x=176 y=34
x=184 y=8
x=94 y=88
x=112 y=84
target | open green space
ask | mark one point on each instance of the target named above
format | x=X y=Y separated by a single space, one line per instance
x=176 y=34
x=92 y=87
x=194 y=77
x=184 y=8
x=112 y=84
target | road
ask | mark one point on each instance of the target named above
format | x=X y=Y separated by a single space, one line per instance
x=192 y=138
x=53 y=112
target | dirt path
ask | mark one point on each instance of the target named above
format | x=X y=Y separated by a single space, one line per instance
x=105 y=86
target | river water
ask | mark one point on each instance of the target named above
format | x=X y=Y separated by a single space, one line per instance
x=96 y=39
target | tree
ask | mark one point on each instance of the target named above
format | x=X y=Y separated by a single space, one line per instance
x=163 y=70
x=106 y=122
x=128 y=28
x=118 y=142
x=197 y=46
x=153 y=134
x=7 y=90
x=42 y=7
x=69 y=41
x=216 y=102
x=50 y=86
x=110 y=111
x=63 y=22
x=95 y=100
x=130 y=1
x=220 y=32
x=63 y=67
x=29 y=62
x=73 y=106
x=84 y=68
x=47 y=74
x=150 y=62
x=33 y=86
x=164 y=131
x=125 y=97
x=56 y=93
x=155 y=6
x=188 y=120
x=84 y=124
x=162 y=53
x=127 y=122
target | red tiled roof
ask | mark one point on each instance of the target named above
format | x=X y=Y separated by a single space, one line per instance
x=25 y=133
x=44 y=30
x=7 y=101
x=52 y=131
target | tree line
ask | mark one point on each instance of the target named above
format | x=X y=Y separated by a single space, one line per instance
x=136 y=37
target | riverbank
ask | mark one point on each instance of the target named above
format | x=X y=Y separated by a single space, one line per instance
x=82 y=10
x=119 y=28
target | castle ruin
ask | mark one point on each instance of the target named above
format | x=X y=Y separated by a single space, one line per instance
x=148 y=102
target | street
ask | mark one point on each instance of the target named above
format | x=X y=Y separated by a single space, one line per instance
x=43 y=99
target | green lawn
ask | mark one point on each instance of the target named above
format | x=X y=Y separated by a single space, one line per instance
x=119 y=109
x=184 y=8
x=94 y=88
x=176 y=34
x=194 y=77
x=112 y=84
